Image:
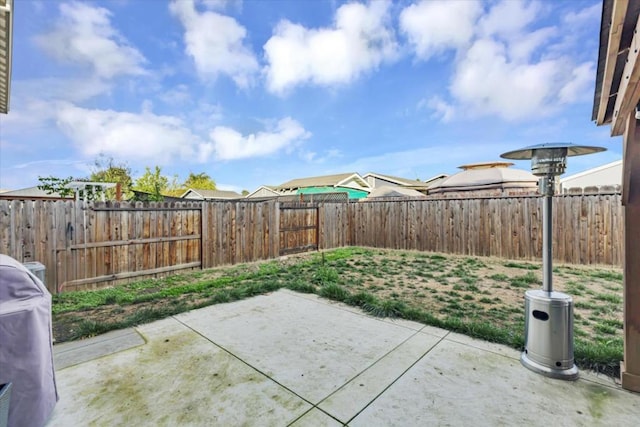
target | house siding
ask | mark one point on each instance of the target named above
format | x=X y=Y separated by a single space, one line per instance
x=607 y=176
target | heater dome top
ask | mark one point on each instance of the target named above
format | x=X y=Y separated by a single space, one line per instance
x=572 y=150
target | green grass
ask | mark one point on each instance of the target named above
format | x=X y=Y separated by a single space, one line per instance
x=525 y=281
x=607 y=275
x=576 y=288
x=612 y=298
x=522 y=265
x=398 y=284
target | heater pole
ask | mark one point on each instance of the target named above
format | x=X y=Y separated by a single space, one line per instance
x=547 y=236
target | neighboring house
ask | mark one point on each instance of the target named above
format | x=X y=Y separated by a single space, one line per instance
x=353 y=184
x=143 y=196
x=609 y=175
x=195 y=194
x=31 y=193
x=487 y=179
x=376 y=180
x=263 y=192
x=80 y=189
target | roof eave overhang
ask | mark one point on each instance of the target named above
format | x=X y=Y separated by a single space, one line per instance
x=6 y=52
x=618 y=64
x=191 y=190
x=345 y=182
x=386 y=178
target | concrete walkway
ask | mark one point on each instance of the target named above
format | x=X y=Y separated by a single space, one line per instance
x=296 y=359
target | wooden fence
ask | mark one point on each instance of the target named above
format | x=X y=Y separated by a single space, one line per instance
x=588 y=229
x=87 y=246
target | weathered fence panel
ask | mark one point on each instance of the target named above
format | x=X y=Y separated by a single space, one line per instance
x=299 y=227
x=111 y=242
x=333 y=225
x=236 y=232
x=587 y=228
x=85 y=246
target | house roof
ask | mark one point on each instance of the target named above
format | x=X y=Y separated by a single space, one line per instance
x=405 y=182
x=212 y=194
x=485 y=165
x=324 y=181
x=268 y=188
x=481 y=175
x=435 y=180
x=29 y=192
x=395 y=179
x=395 y=191
x=6 y=42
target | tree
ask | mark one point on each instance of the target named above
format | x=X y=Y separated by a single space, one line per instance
x=105 y=169
x=60 y=186
x=200 y=181
x=153 y=183
x=52 y=184
x=245 y=192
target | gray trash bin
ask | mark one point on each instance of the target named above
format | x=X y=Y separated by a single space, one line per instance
x=37 y=270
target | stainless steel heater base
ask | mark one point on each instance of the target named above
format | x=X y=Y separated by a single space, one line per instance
x=548 y=345
x=569 y=374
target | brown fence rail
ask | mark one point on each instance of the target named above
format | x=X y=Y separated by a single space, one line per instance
x=86 y=246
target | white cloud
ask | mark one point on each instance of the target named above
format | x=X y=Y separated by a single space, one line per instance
x=579 y=85
x=503 y=67
x=84 y=35
x=508 y=18
x=221 y=4
x=58 y=88
x=178 y=95
x=145 y=136
x=488 y=83
x=434 y=26
x=63 y=162
x=360 y=39
x=313 y=157
x=584 y=16
x=216 y=44
x=521 y=48
x=203 y=116
x=442 y=109
x=230 y=144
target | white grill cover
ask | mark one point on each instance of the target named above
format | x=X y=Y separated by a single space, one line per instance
x=26 y=352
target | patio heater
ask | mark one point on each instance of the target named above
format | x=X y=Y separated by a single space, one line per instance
x=548 y=335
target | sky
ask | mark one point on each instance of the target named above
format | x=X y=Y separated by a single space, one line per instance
x=261 y=92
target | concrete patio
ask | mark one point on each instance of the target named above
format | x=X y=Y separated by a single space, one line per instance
x=296 y=359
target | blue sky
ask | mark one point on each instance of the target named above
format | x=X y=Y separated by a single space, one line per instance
x=261 y=92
